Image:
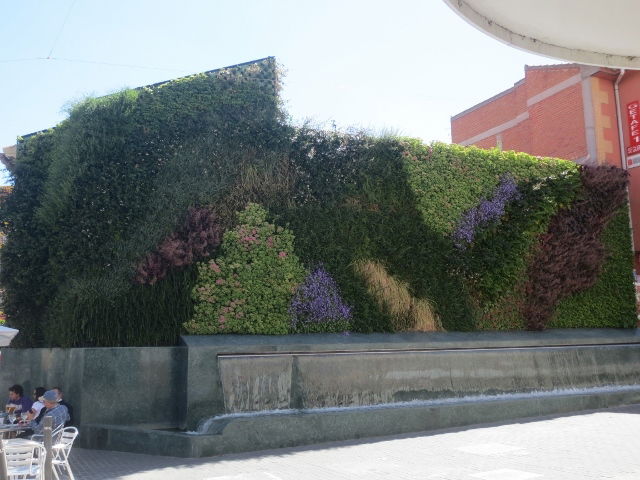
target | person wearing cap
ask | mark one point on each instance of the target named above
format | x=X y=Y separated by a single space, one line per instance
x=52 y=408
x=62 y=401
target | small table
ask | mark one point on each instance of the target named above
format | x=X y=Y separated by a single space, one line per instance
x=15 y=449
x=19 y=442
x=7 y=429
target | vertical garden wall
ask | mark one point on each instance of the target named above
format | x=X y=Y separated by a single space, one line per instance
x=118 y=212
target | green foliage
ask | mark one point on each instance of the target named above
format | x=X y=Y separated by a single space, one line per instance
x=115 y=179
x=496 y=263
x=98 y=193
x=24 y=273
x=371 y=213
x=144 y=315
x=399 y=201
x=610 y=303
x=248 y=288
x=450 y=179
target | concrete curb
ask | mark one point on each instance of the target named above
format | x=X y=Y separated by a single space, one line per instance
x=409 y=341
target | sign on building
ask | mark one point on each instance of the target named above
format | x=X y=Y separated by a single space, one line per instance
x=633 y=121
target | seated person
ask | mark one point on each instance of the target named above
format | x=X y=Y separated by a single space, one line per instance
x=51 y=408
x=37 y=404
x=61 y=401
x=17 y=398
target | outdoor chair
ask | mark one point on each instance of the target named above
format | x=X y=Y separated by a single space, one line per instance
x=25 y=461
x=55 y=435
x=61 y=450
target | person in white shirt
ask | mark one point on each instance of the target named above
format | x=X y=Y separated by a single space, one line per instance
x=37 y=401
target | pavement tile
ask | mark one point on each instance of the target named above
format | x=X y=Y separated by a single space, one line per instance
x=594 y=445
x=506 y=474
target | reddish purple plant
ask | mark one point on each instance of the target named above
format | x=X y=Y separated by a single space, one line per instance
x=570 y=255
x=487 y=211
x=317 y=301
x=200 y=234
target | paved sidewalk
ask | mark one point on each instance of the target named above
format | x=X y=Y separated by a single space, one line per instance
x=602 y=444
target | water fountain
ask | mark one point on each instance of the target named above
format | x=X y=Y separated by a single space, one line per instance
x=251 y=393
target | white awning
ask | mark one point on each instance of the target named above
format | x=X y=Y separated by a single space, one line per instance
x=6 y=335
x=591 y=32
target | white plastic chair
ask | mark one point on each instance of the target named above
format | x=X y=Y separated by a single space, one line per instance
x=61 y=450
x=25 y=460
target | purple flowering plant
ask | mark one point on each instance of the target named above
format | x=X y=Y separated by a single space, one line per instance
x=317 y=305
x=486 y=211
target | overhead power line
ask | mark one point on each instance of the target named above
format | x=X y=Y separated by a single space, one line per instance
x=78 y=60
x=61 y=28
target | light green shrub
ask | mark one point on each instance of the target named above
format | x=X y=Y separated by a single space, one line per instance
x=248 y=288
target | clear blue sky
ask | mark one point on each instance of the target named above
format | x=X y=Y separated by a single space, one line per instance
x=405 y=66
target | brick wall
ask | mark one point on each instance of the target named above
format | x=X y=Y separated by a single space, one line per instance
x=557 y=125
x=540 y=79
x=531 y=116
x=498 y=110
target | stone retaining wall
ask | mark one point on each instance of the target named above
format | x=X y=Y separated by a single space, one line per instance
x=133 y=392
x=106 y=385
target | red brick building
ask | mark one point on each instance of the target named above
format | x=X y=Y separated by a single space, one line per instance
x=568 y=111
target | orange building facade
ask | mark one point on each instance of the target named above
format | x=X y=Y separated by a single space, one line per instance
x=567 y=111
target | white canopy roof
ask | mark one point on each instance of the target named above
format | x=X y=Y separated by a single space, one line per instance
x=593 y=32
x=6 y=335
